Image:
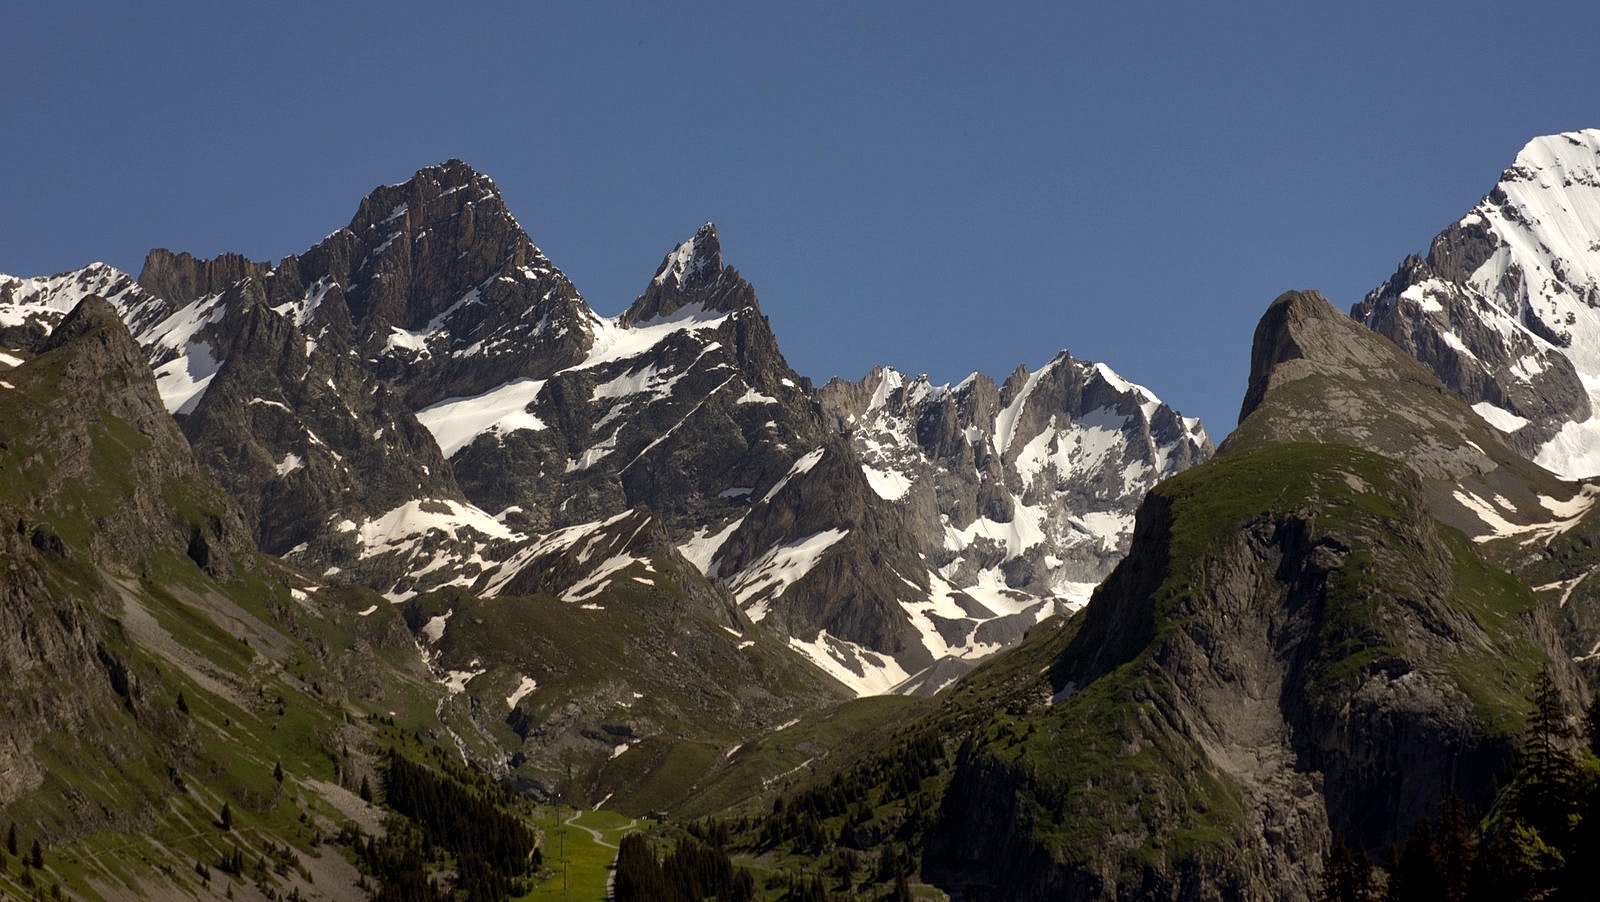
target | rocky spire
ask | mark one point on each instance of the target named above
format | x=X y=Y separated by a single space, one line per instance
x=693 y=274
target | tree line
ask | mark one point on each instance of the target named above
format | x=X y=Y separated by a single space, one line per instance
x=1540 y=838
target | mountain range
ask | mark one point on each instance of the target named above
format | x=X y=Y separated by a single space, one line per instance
x=423 y=399
x=406 y=490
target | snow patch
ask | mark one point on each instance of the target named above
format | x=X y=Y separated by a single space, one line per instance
x=527 y=685
x=456 y=422
x=455 y=681
x=433 y=630
x=803 y=465
x=770 y=575
x=863 y=671
x=890 y=485
x=702 y=548
x=289 y=464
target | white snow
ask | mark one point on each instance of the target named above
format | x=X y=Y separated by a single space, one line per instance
x=525 y=687
x=803 y=465
x=770 y=575
x=183 y=380
x=1544 y=218
x=289 y=464
x=433 y=630
x=1565 y=514
x=890 y=485
x=600 y=577
x=584 y=535
x=419 y=516
x=399 y=338
x=456 y=422
x=863 y=671
x=1498 y=417
x=701 y=549
x=1146 y=400
x=455 y=681
x=613 y=342
x=1574 y=451
x=10 y=360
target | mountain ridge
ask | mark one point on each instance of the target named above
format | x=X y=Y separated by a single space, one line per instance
x=432 y=312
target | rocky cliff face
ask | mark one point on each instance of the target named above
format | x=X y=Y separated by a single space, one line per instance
x=1502 y=307
x=103 y=448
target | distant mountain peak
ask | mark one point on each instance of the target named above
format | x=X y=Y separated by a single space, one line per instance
x=693 y=273
x=1502 y=308
x=409 y=205
x=694 y=261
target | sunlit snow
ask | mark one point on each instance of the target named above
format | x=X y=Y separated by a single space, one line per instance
x=455 y=422
x=770 y=575
x=522 y=691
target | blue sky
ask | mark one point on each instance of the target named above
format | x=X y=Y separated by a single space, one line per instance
x=921 y=185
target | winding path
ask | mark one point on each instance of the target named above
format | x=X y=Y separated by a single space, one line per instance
x=611 y=872
x=597 y=835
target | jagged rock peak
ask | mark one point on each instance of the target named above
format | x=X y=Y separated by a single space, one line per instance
x=107 y=367
x=404 y=206
x=693 y=273
x=1319 y=376
x=181 y=278
x=694 y=262
x=1502 y=307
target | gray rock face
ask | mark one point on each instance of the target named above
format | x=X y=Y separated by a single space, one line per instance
x=306 y=436
x=693 y=274
x=1456 y=333
x=99 y=373
x=96 y=486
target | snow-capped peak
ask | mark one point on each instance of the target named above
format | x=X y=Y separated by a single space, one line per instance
x=1509 y=290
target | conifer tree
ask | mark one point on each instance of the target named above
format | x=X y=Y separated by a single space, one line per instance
x=1548 y=778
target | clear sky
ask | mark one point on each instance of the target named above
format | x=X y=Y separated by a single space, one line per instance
x=921 y=185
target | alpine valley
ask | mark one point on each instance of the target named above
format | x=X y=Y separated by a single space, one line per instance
x=331 y=576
